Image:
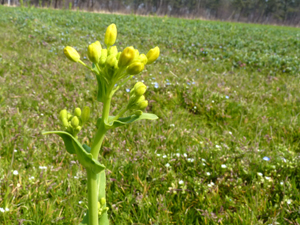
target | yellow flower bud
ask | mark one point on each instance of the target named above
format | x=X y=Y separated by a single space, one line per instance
x=118 y=55
x=85 y=115
x=140 y=99
x=140 y=88
x=103 y=57
x=113 y=50
x=65 y=122
x=94 y=52
x=77 y=112
x=63 y=114
x=111 y=60
x=152 y=55
x=126 y=57
x=75 y=122
x=69 y=117
x=102 y=201
x=143 y=59
x=77 y=129
x=135 y=68
x=110 y=35
x=143 y=105
x=72 y=54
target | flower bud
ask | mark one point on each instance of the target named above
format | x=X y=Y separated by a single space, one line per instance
x=111 y=60
x=102 y=201
x=135 y=68
x=126 y=57
x=77 y=129
x=113 y=50
x=94 y=52
x=69 y=116
x=85 y=115
x=138 y=112
x=143 y=59
x=75 y=122
x=110 y=35
x=118 y=55
x=140 y=88
x=143 y=105
x=103 y=57
x=65 y=122
x=72 y=54
x=77 y=112
x=63 y=114
x=152 y=55
x=140 y=99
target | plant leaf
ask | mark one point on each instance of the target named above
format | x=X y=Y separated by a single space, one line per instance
x=74 y=147
x=126 y=120
x=85 y=220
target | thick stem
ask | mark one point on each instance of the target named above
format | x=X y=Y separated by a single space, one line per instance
x=92 y=197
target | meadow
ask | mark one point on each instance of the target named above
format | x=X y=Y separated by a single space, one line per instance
x=225 y=149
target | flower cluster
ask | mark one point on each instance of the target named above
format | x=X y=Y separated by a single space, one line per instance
x=74 y=123
x=109 y=64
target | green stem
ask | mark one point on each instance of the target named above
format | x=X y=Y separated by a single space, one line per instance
x=92 y=197
x=120 y=113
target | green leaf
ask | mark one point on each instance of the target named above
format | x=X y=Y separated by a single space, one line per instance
x=74 y=147
x=126 y=120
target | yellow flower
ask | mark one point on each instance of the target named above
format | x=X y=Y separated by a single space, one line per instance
x=94 y=52
x=135 y=68
x=110 y=35
x=72 y=54
x=152 y=55
x=126 y=57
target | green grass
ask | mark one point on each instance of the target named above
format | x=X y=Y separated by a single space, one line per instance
x=227 y=95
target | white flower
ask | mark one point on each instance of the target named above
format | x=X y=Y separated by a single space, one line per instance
x=181 y=182
x=79 y=202
x=211 y=184
x=218 y=146
x=75 y=177
x=223 y=166
x=15 y=150
x=203 y=164
x=178 y=154
x=2 y=210
x=31 y=178
x=185 y=155
x=164 y=156
x=158 y=155
x=6 y=209
x=172 y=125
x=289 y=201
x=167 y=165
x=268 y=178
x=43 y=167
x=15 y=172
x=260 y=174
x=212 y=101
x=190 y=160
x=281 y=183
x=203 y=160
x=208 y=173
x=230 y=132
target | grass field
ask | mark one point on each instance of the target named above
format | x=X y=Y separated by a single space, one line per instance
x=225 y=149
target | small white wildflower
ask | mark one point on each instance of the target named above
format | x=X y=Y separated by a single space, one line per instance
x=79 y=202
x=178 y=154
x=181 y=182
x=172 y=125
x=190 y=160
x=15 y=172
x=2 y=210
x=167 y=165
x=218 y=146
x=127 y=150
x=203 y=160
x=268 y=178
x=203 y=164
x=164 y=156
x=43 y=167
x=6 y=209
x=42 y=114
x=31 y=178
x=223 y=166
x=281 y=183
x=260 y=174
x=208 y=173
x=158 y=155
x=230 y=132
x=15 y=150
x=185 y=155
x=212 y=101
x=289 y=201
x=75 y=177
x=201 y=142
